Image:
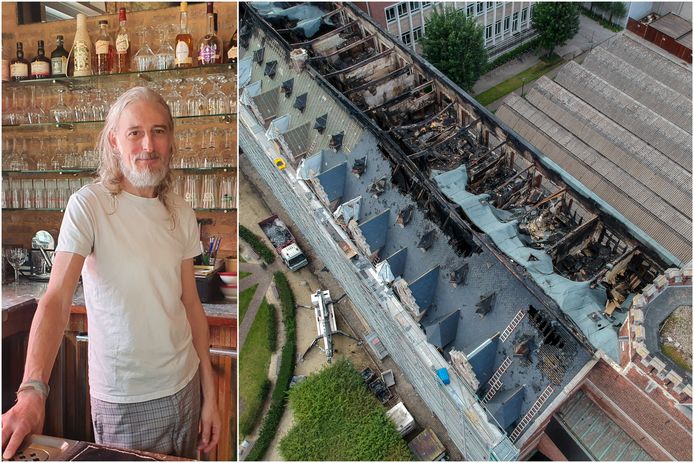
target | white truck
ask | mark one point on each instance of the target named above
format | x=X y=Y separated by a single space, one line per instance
x=284 y=243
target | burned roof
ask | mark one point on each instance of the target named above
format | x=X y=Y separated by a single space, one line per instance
x=413 y=125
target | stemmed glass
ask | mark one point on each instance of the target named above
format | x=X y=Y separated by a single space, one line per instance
x=173 y=98
x=100 y=107
x=217 y=102
x=35 y=112
x=60 y=112
x=164 y=59
x=16 y=257
x=196 y=102
x=144 y=59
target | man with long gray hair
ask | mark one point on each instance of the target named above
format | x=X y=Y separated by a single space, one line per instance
x=133 y=240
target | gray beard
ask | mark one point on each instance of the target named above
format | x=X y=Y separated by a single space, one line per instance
x=143 y=178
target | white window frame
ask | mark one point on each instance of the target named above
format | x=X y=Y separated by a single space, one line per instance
x=417 y=33
x=490 y=6
x=497 y=28
x=524 y=15
x=470 y=10
x=415 y=6
x=507 y=23
x=488 y=32
x=479 y=8
x=406 y=38
x=403 y=9
x=514 y=21
x=426 y=5
x=393 y=14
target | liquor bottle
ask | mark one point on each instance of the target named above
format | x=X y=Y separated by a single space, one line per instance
x=82 y=49
x=59 y=58
x=233 y=52
x=184 y=41
x=19 y=67
x=5 y=67
x=40 y=65
x=210 y=47
x=105 y=50
x=122 y=63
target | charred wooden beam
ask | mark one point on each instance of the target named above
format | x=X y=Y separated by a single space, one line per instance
x=324 y=36
x=562 y=247
x=348 y=47
x=400 y=98
x=511 y=179
x=426 y=121
x=431 y=148
x=388 y=77
x=359 y=64
x=551 y=197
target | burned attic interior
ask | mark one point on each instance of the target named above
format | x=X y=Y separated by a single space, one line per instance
x=520 y=346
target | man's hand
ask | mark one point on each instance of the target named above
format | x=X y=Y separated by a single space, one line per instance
x=26 y=417
x=210 y=426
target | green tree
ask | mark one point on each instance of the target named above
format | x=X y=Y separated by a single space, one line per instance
x=617 y=9
x=556 y=22
x=454 y=44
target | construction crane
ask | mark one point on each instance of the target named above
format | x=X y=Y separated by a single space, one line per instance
x=323 y=308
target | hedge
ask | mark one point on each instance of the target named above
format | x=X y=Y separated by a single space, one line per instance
x=271 y=421
x=513 y=54
x=257 y=244
x=272 y=328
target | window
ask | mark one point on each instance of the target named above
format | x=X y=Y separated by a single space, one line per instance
x=507 y=23
x=415 y=6
x=402 y=9
x=524 y=15
x=426 y=5
x=471 y=9
x=488 y=32
x=406 y=38
x=490 y=6
x=515 y=22
x=497 y=28
x=480 y=8
x=390 y=14
x=417 y=33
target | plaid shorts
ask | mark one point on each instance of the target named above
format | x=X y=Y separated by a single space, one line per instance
x=168 y=425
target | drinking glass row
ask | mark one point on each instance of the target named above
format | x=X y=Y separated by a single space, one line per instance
x=193 y=96
x=207 y=191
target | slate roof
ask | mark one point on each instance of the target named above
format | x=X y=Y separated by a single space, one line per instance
x=333 y=181
x=424 y=288
x=375 y=230
x=441 y=333
x=483 y=359
x=397 y=262
x=505 y=406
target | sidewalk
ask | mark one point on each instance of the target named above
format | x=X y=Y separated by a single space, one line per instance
x=590 y=34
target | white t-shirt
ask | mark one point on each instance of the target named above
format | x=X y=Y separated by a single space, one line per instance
x=140 y=341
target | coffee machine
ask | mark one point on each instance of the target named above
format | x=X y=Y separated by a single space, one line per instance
x=41 y=257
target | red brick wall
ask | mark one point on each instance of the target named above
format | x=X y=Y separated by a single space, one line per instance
x=648 y=414
x=376 y=10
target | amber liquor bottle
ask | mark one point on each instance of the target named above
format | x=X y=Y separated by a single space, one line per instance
x=19 y=67
x=184 y=41
x=40 y=65
x=210 y=47
x=59 y=58
x=122 y=63
x=104 y=50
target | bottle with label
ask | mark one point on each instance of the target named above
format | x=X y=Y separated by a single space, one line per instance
x=82 y=49
x=5 y=67
x=59 y=58
x=19 y=67
x=210 y=47
x=104 y=50
x=233 y=53
x=122 y=63
x=40 y=66
x=184 y=41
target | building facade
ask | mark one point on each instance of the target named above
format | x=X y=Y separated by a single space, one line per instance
x=506 y=24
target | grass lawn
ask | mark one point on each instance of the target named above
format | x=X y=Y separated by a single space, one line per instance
x=516 y=82
x=243 y=275
x=253 y=371
x=337 y=418
x=245 y=297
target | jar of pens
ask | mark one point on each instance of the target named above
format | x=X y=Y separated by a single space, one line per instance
x=207 y=267
x=209 y=255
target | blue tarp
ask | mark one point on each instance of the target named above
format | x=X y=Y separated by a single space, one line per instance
x=576 y=299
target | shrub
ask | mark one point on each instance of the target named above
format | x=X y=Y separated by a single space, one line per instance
x=272 y=328
x=257 y=244
x=284 y=377
x=513 y=54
